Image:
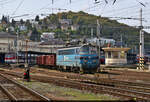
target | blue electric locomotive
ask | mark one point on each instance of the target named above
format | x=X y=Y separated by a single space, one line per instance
x=82 y=58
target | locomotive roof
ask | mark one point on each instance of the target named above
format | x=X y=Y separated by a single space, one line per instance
x=115 y=49
x=71 y=47
x=68 y=48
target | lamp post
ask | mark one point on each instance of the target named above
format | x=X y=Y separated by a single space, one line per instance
x=27 y=73
x=17 y=47
x=98 y=42
x=26 y=56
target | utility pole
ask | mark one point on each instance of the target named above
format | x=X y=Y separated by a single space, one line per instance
x=68 y=40
x=17 y=47
x=141 y=45
x=26 y=63
x=98 y=41
x=121 y=41
x=91 y=33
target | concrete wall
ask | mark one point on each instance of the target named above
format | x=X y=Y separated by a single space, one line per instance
x=111 y=61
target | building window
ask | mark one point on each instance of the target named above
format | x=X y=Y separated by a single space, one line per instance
x=109 y=54
x=115 y=54
x=122 y=54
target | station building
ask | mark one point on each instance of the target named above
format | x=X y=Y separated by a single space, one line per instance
x=115 y=56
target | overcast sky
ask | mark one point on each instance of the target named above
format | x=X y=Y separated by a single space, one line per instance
x=122 y=8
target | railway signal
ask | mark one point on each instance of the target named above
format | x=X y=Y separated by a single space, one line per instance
x=98 y=42
x=141 y=54
x=27 y=75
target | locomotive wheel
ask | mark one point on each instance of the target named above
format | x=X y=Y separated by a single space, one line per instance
x=71 y=69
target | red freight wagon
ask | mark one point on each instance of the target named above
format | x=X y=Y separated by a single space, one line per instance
x=51 y=60
x=40 y=60
x=47 y=60
x=37 y=59
x=43 y=59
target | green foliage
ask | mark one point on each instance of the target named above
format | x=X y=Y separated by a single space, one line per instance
x=109 y=28
x=28 y=24
x=35 y=35
x=37 y=18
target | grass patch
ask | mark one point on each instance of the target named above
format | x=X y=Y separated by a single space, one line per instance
x=67 y=93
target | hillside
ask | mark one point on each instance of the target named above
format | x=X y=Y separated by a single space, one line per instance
x=62 y=23
x=110 y=28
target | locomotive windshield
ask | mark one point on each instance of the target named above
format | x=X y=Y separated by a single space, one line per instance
x=88 y=50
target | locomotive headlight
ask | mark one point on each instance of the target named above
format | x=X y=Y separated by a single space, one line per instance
x=85 y=60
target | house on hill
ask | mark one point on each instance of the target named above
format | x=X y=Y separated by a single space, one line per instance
x=74 y=27
x=65 y=23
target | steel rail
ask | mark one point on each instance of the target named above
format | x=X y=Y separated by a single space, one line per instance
x=9 y=95
x=79 y=85
x=107 y=82
x=34 y=93
x=92 y=87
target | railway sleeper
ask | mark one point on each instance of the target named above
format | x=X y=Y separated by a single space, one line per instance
x=79 y=85
x=10 y=96
x=141 y=89
x=27 y=89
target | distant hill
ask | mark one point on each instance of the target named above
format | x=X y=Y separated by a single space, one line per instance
x=110 y=28
x=63 y=23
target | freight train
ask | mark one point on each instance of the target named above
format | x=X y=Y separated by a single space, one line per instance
x=77 y=59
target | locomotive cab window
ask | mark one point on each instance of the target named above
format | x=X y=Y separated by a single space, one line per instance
x=66 y=52
x=84 y=50
x=93 y=50
x=88 y=50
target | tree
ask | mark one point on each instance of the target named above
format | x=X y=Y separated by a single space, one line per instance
x=28 y=24
x=4 y=19
x=21 y=21
x=13 y=22
x=40 y=22
x=35 y=35
x=37 y=18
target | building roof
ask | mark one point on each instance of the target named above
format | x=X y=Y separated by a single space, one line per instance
x=53 y=42
x=115 y=49
x=7 y=35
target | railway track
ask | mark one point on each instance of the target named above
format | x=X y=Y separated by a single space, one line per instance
x=129 y=75
x=113 y=74
x=95 y=79
x=129 y=72
x=119 y=90
x=14 y=91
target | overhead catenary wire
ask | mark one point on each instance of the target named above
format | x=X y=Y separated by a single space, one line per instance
x=120 y=9
x=18 y=7
x=43 y=7
x=7 y=2
x=3 y=1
